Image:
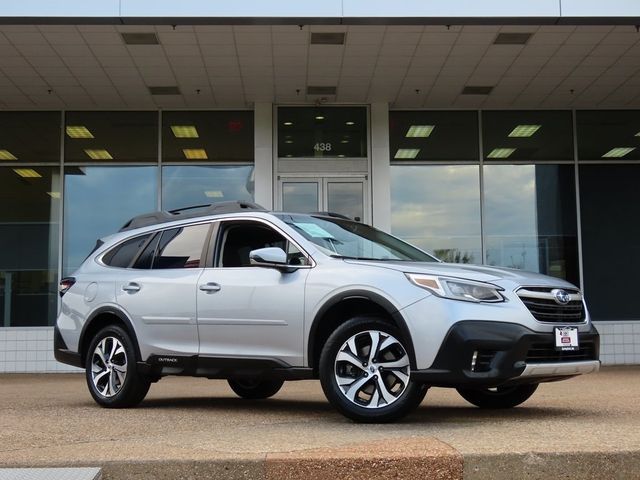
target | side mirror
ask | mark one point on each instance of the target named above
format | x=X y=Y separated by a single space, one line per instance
x=268 y=257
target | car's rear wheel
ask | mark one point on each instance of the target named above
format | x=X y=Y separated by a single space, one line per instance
x=498 y=397
x=254 y=388
x=111 y=372
x=365 y=372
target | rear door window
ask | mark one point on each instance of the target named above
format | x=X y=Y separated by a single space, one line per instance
x=181 y=247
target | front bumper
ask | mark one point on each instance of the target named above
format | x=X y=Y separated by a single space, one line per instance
x=488 y=354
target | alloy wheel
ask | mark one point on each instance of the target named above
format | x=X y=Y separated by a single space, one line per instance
x=372 y=369
x=109 y=366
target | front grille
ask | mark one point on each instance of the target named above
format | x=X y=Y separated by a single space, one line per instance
x=546 y=353
x=542 y=305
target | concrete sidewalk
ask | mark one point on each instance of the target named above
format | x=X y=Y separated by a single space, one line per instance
x=588 y=427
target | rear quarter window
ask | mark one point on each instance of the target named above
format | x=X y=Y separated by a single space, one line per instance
x=122 y=255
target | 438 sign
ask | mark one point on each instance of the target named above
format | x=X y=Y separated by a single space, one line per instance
x=322 y=147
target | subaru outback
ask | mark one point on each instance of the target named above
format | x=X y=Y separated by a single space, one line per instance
x=232 y=291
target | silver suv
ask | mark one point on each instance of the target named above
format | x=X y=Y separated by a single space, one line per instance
x=233 y=291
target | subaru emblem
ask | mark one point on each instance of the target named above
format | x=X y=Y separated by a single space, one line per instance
x=562 y=297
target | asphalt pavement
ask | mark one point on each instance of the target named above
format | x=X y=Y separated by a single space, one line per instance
x=586 y=427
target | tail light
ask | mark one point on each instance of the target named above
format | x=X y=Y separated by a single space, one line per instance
x=65 y=284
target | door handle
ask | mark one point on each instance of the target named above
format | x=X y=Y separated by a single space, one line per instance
x=131 y=287
x=210 y=287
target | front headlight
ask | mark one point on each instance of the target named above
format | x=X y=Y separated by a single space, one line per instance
x=457 y=289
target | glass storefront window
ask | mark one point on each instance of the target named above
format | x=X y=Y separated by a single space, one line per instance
x=185 y=186
x=610 y=205
x=612 y=135
x=527 y=135
x=29 y=228
x=437 y=208
x=98 y=201
x=225 y=136
x=433 y=135
x=111 y=137
x=530 y=219
x=30 y=137
x=322 y=132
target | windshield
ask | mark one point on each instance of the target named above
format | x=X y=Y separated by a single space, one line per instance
x=342 y=238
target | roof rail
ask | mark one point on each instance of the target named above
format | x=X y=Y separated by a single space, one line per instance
x=332 y=214
x=155 y=218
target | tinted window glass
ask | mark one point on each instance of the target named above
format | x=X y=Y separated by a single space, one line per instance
x=19 y=130
x=530 y=213
x=207 y=136
x=437 y=208
x=322 y=132
x=94 y=137
x=181 y=247
x=433 y=136
x=610 y=207
x=527 y=135
x=608 y=135
x=122 y=255
x=145 y=260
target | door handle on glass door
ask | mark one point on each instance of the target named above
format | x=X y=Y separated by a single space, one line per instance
x=131 y=287
x=210 y=287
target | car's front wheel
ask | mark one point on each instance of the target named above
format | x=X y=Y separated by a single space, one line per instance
x=254 y=388
x=365 y=372
x=111 y=372
x=498 y=397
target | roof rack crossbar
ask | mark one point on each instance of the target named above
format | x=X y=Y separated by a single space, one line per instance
x=156 y=218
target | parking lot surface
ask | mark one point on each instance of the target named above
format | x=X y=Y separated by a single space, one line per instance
x=577 y=425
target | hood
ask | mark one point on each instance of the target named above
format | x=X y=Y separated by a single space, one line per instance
x=479 y=273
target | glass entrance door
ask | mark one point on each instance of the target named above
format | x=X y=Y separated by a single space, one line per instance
x=343 y=195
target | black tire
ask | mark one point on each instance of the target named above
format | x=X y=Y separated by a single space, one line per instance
x=129 y=392
x=255 y=389
x=407 y=396
x=500 y=397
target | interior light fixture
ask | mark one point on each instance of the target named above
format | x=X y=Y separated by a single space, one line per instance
x=288 y=141
x=287 y=124
x=195 y=153
x=7 y=155
x=349 y=123
x=98 y=154
x=214 y=193
x=501 y=152
x=524 y=130
x=319 y=117
x=184 y=131
x=637 y=134
x=341 y=156
x=27 y=172
x=407 y=153
x=78 y=131
x=419 y=131
x=618 y=152
x=344 y=141
x=54 y=194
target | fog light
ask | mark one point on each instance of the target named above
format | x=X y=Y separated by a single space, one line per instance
x=474 y=358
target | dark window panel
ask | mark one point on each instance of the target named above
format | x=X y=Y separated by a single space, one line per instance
x=102 y=137
x=123 y=254
x=98 y=201
x=322 y=132
x=29 y=210
x=610 y=205
x=220 y=136
x=530 y=219
x=608 y=135
x=30 y=137
x=433 y=135
x=437 y=208
x=532 y=135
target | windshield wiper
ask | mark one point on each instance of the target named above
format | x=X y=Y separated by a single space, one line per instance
x=347 y=257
